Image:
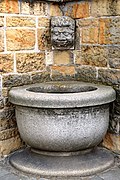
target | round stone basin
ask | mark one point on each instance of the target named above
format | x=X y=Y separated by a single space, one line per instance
x=62 y=116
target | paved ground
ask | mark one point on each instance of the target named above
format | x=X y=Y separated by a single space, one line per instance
x=9 y=173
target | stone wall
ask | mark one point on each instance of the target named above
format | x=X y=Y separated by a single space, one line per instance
x=26 y=55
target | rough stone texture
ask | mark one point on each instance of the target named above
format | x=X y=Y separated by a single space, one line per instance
x=62 y=72
x=89 y=30
x=9 y=6
x=105 y=7
x=114 y=57
x=25 y=7
x=38 y=77
x=62 y=32
x=62 y=57
x=86 y=73
x=30 y=62
x=77 y=10
x=43 y=22
x=39 y=8
x=1 y=21
x=112 y=142
x=13 y=21
x=1 y=40
x=15 y=42
x=6 y=63
x=8 y=133
x=92 y=55
x=10 y=145
x=55 y=10
x=44 y=42
x=109 y=76
x=11 y=80
x=109 y=30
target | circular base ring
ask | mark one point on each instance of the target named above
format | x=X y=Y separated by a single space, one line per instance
x=95 y=161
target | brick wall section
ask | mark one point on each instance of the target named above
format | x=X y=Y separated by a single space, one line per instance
x=26 y=55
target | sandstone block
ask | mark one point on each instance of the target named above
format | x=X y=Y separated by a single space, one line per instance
x=14 y=21
x=1 y=102
x=77 y=10
x=44 y=41
x=8 y=133
x=1 y=40
x=114 y=57
x=43 y=22
x=62 y=57
x=112 y=142
x=38 y=77
x=10 y=145
x=92 y=55
x=39 y=8
x=109 y=30
x=20 y=39
x=105 y=7
x=11 y=80
x=1 y=21
x=85 y=73
x=89 y=30
x=9 y=6
x=55 y=10
x=109 y=76
x=62 y=72
x=6 y=63
x=49 y=58
x=25 y=7
x=5 y=92
x=30 y=62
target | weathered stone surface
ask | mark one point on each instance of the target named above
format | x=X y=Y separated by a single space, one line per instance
x=20 y=39
x=44 y=42
x=49 y=58
x=114 y=126
x=77 y=9
x=62 y=57
x=10 y=145
x=105 y=7
x=8 y=133
x=1 y=40
x=85 y=73
x=13 y=21
x=5 y=92
x=38 y=77
x=6 y=63
x=109 y=30
x=114 y=57
x=62 y=72
x=11 y=80
x=55 y=10
x=1 y=102
x=9 y=6
x=30 y=62
x=92 y=55
x=43 y=22
x=25 y=7
x=1 y=21
x=39 y=8
x=109 y=76
x=62 y=32
x=112 y=142
x=89 y=29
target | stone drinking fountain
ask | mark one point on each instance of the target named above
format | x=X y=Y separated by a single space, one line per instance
x=62 y=122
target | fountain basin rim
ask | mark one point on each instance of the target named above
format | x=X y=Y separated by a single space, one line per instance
x=22 y=97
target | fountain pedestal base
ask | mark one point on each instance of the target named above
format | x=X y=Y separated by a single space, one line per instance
x=68 y=164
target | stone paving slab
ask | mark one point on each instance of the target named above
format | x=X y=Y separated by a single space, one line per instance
x=9 y=173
